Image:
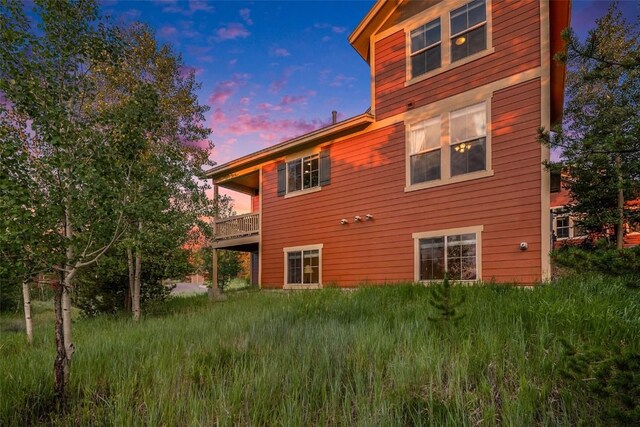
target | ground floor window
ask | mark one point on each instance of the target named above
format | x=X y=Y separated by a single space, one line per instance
x=302 y=265
x=455 y=252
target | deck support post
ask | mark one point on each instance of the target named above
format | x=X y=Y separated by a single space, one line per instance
x=215 y=293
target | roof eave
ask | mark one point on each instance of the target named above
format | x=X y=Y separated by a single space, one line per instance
x=316 y=137
x=360 y=37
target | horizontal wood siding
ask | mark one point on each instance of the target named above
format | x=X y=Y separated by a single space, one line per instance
x=516 y=40
x=368 y=177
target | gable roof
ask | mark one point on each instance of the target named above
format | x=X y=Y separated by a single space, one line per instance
x=378 y=14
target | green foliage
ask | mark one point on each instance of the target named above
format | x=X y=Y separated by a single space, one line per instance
x=365 y=357
x=623 y=264
x=446 y=304
x=229 y=266
x=104 y=288
x=612 y=375
x=599 y=140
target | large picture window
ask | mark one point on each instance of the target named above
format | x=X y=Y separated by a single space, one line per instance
x=426 y=48
x=303 y=173
x=303 y=267
x=468 y=30
x=454 y=254
x=468 y=131
x=425 y=151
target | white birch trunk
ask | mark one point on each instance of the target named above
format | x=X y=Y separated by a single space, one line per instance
x=135 y=302
x=26 y=295
x=130 y=264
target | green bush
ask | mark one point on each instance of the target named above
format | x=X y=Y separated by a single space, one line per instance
x=623 y=263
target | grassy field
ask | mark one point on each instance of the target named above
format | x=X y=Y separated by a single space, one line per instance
x=368 y=357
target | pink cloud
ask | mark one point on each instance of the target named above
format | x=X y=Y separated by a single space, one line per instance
x=341 y=80
x=326 y=39
x=279 y=84
x=201 y=53
x=280 y=52
x=245 y=100
x=232 y=31
x=262 y=123
x=338 y=30
x=167 y=31
x=186 y=70
x=193 y=6
x=293 y=99
x=245 y=14
x=225 y=89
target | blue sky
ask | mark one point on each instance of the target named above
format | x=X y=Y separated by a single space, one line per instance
x=272 y=70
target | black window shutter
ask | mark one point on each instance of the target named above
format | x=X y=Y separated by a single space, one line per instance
x=282 y=179
x=325 y=167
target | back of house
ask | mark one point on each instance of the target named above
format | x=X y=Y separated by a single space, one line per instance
x=442 y=173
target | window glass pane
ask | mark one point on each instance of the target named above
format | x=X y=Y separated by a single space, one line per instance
x=424 y=136
x=425 y=167
x=432 y=258
x=469 y=156
x=476 y=13
x=469 y=123
x=294 y=267
x=419 y=64
x=461 y=258
x=310 y=171
x=459 y=20
x=294 y=175
x=468 y=43
x=467 y=16
x=562 y=227
x=425 y=35
x=311 y=267
x=477 y=40
x=427 y=60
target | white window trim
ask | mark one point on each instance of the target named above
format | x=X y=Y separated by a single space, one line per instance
x=477 y=229
x=443 y=11
x=572 y=234
x=317 y=247
x=443 y=110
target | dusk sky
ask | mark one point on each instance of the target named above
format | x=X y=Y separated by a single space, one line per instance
x=272 y=70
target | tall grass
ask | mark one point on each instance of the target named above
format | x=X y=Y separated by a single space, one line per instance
x=368 y=357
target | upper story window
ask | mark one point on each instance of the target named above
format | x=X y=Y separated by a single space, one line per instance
x=303 y=173
x=468 y=30
x=425 y=152
x=426 y=48
x=452 y=146
x=468 y=139
x=447 y=37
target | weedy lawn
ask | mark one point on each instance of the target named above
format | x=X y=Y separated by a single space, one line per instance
x=367 y=357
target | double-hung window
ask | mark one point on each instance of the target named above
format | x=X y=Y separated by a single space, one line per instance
x=468 y=30
x=302 y=266
x=468 y=133
x=455 y=254
x=446 y=36
x=303 y=173
x=562 y=227
x=426 y=48
x=425 y=152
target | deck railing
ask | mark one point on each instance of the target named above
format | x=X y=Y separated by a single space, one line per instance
x=237 y=226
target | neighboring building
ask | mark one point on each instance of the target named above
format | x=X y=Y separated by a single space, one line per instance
x=565 y=226
x=444 y=172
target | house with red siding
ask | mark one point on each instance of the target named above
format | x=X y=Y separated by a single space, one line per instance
x=442 y=173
